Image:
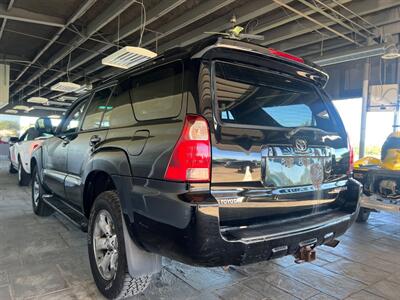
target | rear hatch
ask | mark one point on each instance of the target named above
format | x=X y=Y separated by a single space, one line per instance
x=279 y=149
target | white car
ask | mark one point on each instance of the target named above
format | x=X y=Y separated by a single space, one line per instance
x=21 y=153
x=21 y=149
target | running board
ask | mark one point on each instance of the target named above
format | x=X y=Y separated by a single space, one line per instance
x=67 y=211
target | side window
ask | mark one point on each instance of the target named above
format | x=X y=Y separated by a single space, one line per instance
x=158 y=93
x=72 y=122
x=119 y=111
x=96 y=109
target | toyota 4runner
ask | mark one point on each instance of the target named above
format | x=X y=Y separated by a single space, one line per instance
x=224 y=153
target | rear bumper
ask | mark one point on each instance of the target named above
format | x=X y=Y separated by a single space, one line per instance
x=192 y=234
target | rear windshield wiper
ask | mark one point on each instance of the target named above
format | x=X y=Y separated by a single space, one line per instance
x=293 y=131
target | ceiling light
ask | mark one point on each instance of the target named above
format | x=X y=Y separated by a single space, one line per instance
x=84 y=89
x=21 y=107
x=391 y=52
x=67 y=98
x=65 y=86
x=128 y=57
x=11 y=111
x=38 y=100
x=54 y=116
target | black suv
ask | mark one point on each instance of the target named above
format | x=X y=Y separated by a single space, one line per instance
x=224 y=153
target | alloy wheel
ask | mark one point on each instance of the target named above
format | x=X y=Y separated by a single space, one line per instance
x=105 y=245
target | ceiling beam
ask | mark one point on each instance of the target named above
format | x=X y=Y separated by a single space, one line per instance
x=204 y=9
x=245 y=13
x=268 y=24
x=311 y=44
x=320 y=24
x=115 y=9
x=279 y=37
x=154 y=14
x=188 y=18
x=23 y=15
x=76 y=15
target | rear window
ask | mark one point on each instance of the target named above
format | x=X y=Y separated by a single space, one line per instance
x=252 y=97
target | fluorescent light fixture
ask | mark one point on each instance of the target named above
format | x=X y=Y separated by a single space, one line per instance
x=11 y=111
x=65 y=86
x=21 y=107
x=67 y=98
x=128 y=57
x=54 y=116
x=38 y=100
x=391 y=52
x=84 y=89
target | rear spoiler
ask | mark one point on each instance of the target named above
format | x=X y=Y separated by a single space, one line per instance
x=315 y=73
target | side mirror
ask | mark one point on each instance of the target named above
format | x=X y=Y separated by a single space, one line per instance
x=13 y=140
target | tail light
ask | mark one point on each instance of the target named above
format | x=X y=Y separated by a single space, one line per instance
x=34 y=146
x=285 y=55
x=351 y=158
x=191 y=158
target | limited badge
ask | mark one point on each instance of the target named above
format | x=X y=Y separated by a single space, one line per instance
x=317 y=175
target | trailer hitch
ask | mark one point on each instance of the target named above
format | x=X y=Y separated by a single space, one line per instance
x=306 y=252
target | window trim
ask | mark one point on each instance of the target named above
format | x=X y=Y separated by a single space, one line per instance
x=246 y=126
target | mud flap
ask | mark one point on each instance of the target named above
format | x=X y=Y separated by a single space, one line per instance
x=139 y=262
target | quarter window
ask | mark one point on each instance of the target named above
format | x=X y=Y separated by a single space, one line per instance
x=158 y=93
x=96 y=109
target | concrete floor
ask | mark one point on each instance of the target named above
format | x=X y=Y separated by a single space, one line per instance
x=46 y=258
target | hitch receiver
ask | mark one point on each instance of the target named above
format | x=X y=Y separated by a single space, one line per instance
x=305 y=254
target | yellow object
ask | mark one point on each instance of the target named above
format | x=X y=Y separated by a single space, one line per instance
x=237 y=30
x=366 y=161
x=392 y=160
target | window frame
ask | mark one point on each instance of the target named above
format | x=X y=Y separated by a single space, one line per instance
x=324 y=98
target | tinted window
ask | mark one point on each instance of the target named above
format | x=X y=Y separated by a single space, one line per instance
x=119 y=111
x=96 y=109
x=72 y=122
x=158 y=93
x=248 y=96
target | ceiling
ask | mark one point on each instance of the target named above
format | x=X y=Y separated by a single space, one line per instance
x=48 y=41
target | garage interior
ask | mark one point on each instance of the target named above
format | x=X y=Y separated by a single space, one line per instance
x=46 y=42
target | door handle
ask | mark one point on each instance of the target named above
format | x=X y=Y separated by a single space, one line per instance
x=94 y=140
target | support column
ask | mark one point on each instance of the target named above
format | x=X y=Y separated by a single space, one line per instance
x=396 y=113
x=365 y=95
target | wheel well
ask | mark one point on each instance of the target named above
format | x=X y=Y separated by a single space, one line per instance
x=96 y=183
x=33 y=164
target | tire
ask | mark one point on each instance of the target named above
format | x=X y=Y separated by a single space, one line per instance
x=39 y=207
x=113 y=283
x=12 y=170
x=363 y=215
x=23 y=178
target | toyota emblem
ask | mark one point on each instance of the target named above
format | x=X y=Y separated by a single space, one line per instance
x=300 y=145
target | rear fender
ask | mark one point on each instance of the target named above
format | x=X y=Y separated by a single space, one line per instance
x=116 y=162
